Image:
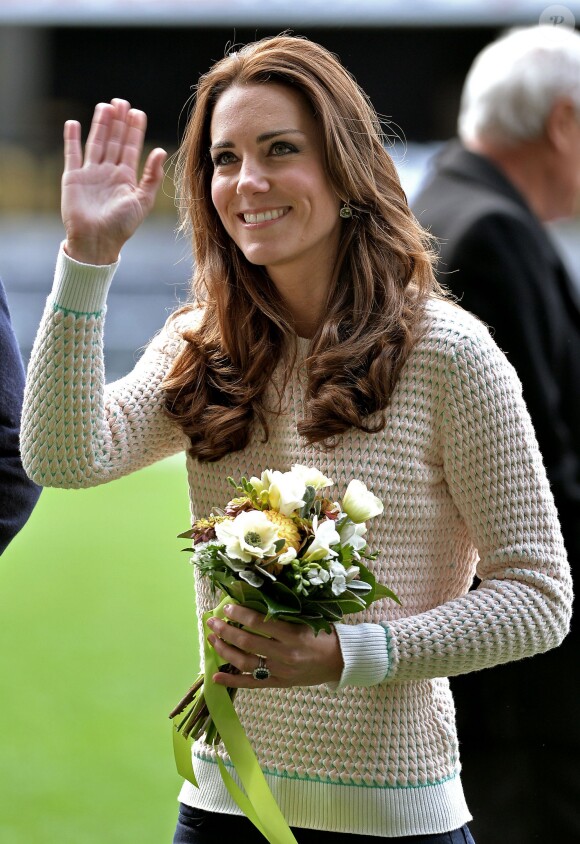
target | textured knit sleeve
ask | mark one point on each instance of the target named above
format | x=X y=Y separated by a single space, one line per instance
x=497 y=480
x=77 y=432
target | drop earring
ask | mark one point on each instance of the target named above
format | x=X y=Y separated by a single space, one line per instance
x=346 y=211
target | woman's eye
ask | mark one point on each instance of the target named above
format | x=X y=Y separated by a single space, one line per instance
x=282 y=148
x=223 y=158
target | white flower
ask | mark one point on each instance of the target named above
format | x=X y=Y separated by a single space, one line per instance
x=338 y=569
x=249 y=536
x=353 y=535
x=262 y=483
x=359 y=503
x=286 y=492
x=317 y=576
x=311 y=476
x=338 y=585
x=325 y=535
x=286 y=557
x=341 y=577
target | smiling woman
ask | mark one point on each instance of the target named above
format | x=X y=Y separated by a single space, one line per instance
x=281 y=126
x=316 y=335
x=273 y=195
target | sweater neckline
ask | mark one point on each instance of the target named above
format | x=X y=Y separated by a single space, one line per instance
x=302 y=346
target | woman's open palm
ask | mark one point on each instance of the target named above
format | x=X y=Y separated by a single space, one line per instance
x=103 y=202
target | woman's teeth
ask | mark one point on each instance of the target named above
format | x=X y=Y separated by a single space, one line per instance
x=263 y=216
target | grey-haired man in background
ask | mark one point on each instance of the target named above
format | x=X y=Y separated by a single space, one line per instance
x=516 y=166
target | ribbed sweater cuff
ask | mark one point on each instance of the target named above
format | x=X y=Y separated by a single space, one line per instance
x=81 y=288
x=365 y=653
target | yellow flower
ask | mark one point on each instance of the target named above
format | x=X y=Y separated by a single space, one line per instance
x=286 y=528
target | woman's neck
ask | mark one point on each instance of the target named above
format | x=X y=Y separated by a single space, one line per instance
x=305 y=295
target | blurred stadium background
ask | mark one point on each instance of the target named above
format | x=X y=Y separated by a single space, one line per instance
x=98 y=630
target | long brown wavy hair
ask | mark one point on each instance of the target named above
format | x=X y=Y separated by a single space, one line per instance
x=382 y=275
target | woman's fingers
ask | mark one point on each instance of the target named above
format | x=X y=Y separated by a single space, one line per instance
x=244 y=641
x=73 y=155
x=254 y=621
x=295 y=656
x=112 y=152
x=116 y=135
x=103 y=202
x=136 y=124
x=245 y=662
x=152 y=175
x=99 y=133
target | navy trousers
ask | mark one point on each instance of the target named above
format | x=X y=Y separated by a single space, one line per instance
x=196 y=826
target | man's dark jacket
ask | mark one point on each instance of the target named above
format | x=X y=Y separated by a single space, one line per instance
x=519 y=724
x=18 y=494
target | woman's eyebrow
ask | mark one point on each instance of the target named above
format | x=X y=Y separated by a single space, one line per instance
x=265 y=136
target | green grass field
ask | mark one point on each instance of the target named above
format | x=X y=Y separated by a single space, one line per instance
x=98 y=643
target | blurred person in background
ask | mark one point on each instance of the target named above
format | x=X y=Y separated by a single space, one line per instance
x=18 y=494
x=516 y=166
x=316 y=334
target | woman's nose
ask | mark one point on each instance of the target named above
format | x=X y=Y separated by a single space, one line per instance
x=252 y=178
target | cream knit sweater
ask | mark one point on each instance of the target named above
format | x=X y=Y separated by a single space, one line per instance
x=458 y=469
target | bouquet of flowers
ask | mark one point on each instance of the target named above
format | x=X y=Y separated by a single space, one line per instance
x=284 y=547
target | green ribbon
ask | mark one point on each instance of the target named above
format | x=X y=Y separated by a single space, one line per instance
x=257 y=803
x=182 y=751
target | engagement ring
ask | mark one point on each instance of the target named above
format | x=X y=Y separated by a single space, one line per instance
x=261 y=672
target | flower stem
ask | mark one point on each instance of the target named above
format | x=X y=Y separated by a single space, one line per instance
x=196 y=719
x=188 y=697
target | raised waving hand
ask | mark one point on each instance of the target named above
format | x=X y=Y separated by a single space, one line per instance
x=103 y=202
